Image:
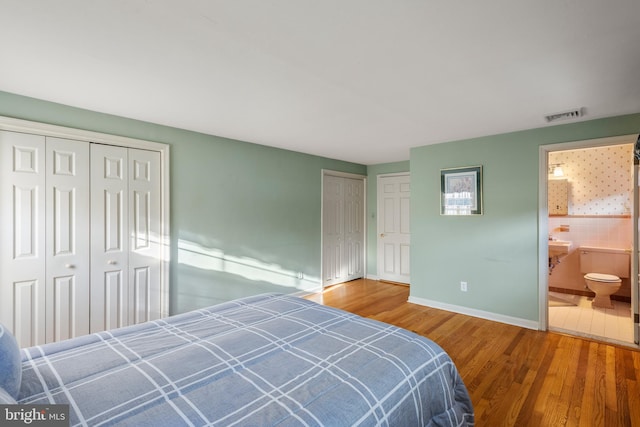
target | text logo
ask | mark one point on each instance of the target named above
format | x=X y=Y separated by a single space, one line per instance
x=34 y=415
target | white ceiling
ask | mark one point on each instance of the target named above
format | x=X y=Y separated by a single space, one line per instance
x=357 y=80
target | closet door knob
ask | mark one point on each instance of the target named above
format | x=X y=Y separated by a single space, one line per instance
x=69 y=266
x=111 y=262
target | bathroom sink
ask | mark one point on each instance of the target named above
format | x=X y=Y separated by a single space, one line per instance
x=559 y=247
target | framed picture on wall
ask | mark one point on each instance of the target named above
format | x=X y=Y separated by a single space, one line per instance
x=461 y=191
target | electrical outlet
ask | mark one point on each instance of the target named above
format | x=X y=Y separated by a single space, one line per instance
x=463 y=286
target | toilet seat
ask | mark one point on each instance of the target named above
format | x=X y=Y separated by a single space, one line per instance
x=603 y=278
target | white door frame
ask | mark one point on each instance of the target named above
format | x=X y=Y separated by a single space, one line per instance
x=26 y=126
x=635 y=280
x=543 y=226
x=329 y=172
x=378 y=225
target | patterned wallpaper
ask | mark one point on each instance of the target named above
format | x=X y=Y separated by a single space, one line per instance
x=558 y=190
x=600 y=179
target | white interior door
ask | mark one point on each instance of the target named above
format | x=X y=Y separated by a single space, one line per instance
x=144 y=230
x=394 y=233
x=354 y=227
x=332 y=230
x=67 y=245
x=343 y=227
x=22 y=246
x=126 y=252
x=110 y=293
x=44 y=254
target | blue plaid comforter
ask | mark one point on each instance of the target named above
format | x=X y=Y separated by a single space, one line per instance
x=258 y=361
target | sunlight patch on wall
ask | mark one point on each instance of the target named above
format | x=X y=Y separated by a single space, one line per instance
x=213 y=259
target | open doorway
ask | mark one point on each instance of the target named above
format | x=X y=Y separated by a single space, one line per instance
x=589 y=195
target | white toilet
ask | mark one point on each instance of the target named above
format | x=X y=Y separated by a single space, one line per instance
x=604 y=268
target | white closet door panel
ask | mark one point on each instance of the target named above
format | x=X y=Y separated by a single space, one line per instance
x=332 y=260
x=26 y=199
x=354 y=228
x=142 y=294
x=114 y=201
x=68 y=231
x=28 y=312
x=113 y=300
x=333 y=230
x=109 y=244
x=342 y=229
x=22 y=246
x=64 y=313
x=144 y=230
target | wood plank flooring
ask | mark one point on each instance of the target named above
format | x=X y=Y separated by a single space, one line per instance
x=515 y=376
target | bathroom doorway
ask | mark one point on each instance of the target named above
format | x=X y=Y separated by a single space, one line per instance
x=589 y=195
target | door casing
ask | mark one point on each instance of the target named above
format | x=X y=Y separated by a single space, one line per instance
x=543 y=228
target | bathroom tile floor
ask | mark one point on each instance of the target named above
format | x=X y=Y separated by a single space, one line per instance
x=573 y=314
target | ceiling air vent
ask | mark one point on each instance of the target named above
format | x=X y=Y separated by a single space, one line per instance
x=565 y=115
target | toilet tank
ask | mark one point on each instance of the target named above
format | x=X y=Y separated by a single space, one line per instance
x=605 y=260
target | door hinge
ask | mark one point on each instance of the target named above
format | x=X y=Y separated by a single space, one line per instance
x=636 y=318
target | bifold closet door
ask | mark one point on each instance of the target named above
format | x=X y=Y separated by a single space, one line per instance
x=354 y=227
x=333 y=268
x=144 y=235
x=44 y=249
x=125 y=230
x=68 y=241
x=342 y=229
x=22 y=246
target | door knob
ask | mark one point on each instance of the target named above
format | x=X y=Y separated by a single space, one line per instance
x=381 y=234
x=69 y=266
x=111 y=262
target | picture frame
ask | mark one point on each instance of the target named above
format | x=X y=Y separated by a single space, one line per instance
x=461 y=191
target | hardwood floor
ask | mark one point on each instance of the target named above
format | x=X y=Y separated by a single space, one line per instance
x=515 y=376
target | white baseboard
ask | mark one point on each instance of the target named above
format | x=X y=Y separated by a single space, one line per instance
x=371 y=277
x=487 y=315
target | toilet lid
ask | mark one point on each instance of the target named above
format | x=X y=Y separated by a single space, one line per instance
x=600 y=277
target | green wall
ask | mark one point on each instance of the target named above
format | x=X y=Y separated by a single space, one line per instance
x=372 y=209
x=496 y=253
x=245 y=218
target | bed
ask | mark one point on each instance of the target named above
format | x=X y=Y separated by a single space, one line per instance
x=265 y=360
